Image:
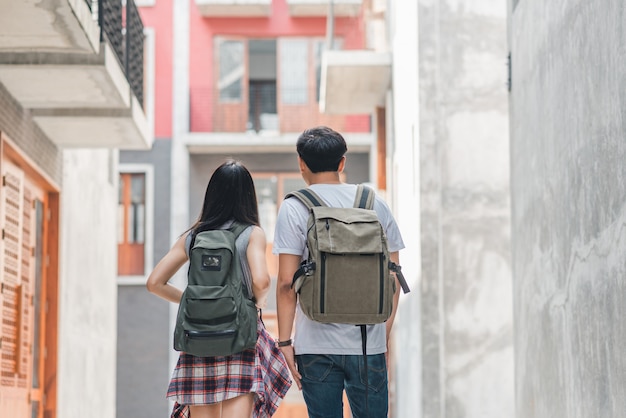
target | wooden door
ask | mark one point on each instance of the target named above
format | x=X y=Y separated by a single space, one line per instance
x=22 y=208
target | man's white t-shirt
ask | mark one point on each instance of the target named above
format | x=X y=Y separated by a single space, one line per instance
x=313 y=337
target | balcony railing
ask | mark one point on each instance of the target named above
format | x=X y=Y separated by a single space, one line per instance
x=266 y=112
x=122 y=27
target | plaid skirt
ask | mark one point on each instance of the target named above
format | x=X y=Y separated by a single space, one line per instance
x=207 y=380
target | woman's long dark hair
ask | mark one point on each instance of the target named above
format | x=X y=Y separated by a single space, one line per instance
x=230 y=195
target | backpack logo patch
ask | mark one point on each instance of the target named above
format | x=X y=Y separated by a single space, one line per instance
x=211 y=262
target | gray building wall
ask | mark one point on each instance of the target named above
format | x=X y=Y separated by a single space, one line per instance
x=568 y=153
x=143 y=339
x=466 y=301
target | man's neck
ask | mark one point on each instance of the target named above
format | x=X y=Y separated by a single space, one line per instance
x=327 y=177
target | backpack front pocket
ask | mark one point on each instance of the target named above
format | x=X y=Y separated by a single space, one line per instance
x=210 y=306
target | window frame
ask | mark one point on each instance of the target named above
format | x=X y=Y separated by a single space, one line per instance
x=148 y=171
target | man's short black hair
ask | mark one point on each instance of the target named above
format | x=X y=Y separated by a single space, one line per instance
x=321 y=149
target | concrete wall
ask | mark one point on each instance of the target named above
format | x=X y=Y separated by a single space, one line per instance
x=87 y=285
x=568 y=152
x=143 y=334
x=461 y=129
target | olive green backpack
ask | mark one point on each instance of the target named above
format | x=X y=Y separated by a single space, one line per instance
x=345 y=278
x=215 y=316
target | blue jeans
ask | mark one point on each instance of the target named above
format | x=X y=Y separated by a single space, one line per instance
x=324 y=377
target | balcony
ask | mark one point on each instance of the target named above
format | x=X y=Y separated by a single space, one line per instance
x=77 y=67
x=354 y=81
x=261 y=112
x=310 y=8
x=235 y=8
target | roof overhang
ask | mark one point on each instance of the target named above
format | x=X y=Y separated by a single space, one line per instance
x=354 y=82
x=233 y=143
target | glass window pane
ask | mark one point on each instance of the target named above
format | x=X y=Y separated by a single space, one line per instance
x=266 y=195
x=138 y=185
x=231 y=70
x=294 y=71
x=37 y=295
x=140 y=220
x=120 y=189
x=120 y=223
x=130 y=234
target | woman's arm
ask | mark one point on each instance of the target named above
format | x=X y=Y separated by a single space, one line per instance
x=166 y=268
x=258 y=266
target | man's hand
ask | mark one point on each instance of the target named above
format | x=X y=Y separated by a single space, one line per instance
x=290 y=358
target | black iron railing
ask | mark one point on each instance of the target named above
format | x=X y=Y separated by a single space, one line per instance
x=134 y=50
x=123 y=29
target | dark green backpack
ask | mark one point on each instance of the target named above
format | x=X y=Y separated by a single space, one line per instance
x=215 y=316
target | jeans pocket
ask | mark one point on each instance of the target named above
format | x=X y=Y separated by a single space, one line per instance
x=314 y=367
x=376 y=372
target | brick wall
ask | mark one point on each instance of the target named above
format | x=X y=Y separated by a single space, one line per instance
x=18 y=125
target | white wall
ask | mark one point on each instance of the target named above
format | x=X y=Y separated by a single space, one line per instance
x=87 y=285
x=453 y=340
x=403 y=170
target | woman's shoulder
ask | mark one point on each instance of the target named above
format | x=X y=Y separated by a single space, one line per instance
x=256 y=231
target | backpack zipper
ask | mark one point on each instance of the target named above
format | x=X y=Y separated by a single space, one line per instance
x=381 y=272
x=206 y=335
x=330 y=238
x=322 y=283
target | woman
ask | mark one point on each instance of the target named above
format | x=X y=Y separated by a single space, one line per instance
x=254 y=380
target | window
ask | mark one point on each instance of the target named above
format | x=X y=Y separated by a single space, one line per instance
x=231 y=70
x=294 y=71
x=262 y=109
x=134 y=209
x=271 y=188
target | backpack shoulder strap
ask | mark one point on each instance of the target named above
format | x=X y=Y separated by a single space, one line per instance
x=364 y=198
x=237 y=228
x=308 y=197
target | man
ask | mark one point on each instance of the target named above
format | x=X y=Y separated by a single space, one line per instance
x=324 y=359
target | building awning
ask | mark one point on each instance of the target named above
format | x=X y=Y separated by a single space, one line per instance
x=354 y=82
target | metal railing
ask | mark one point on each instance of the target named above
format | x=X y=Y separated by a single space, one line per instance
x=121 y=25
x=134 y=50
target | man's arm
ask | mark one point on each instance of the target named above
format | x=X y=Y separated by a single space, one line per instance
x=286 y=308
x=395 y=257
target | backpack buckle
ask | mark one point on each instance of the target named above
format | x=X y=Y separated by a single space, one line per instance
x=308 y=268
x=398 y=270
